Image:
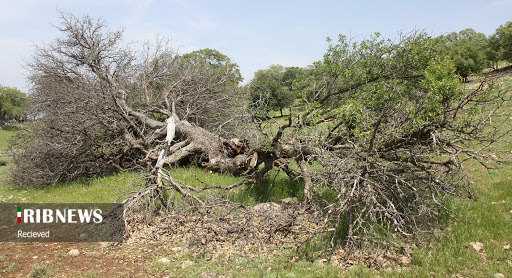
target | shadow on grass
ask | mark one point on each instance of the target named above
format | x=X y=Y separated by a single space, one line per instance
x=276 y=186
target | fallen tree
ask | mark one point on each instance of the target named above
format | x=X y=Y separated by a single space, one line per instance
x=102 y=107
x=379 y=144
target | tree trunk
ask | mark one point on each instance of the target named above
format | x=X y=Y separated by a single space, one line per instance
x=308 y=183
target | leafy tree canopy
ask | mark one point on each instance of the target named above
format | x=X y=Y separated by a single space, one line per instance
x=12 y=104
x=271 y=88
x=503 y=37
x=467 y=49
x=218 y=61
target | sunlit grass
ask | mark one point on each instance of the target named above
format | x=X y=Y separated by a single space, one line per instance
x=107 y=189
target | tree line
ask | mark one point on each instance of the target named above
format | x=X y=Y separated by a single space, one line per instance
x=276 y=87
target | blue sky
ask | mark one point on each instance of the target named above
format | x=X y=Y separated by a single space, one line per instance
x=254 y=34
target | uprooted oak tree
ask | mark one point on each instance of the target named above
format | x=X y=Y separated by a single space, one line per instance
x=379 y=142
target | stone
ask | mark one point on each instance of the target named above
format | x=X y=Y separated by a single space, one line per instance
x=290 y=201
x=267 y=207
x=73 y=253
x=499 y=275
x=187 y=263
x=478 y=246
x=164 y=261
x=405 y=261
x=506 y=246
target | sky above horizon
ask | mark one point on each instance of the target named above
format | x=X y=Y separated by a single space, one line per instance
x=254 y=34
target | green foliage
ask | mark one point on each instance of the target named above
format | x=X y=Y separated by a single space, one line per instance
x=503 y=40
x=220 y=62
x=12 y=104
x=492 y=51
x=272 y=88
x=375 y=75
x=442 y=87
x=468 y=51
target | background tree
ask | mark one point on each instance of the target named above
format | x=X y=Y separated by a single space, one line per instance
x=504 y=40
x=468 y=51
x=492 y=51
x=289 y=76
x=218 y=61
x=12 y=104
x=270 y=89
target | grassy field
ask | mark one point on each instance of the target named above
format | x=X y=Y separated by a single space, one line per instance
x=487 y=219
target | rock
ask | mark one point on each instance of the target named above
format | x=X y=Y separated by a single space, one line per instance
x=164 y=261
x=105 y=244
x=499 y=275
x=290 y=201
x=187 y=263
x=479 y=248
x=506 y=247
x=73 y=253
x=404 y=261
x=176 y=249
x=267 y=206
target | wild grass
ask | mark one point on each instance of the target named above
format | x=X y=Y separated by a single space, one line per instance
x=40 y=270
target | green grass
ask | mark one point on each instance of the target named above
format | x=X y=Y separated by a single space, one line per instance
x=99 y=190
x=40 y=270
x=488 y=220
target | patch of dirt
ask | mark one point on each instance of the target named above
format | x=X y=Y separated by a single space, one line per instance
x=99 y=259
